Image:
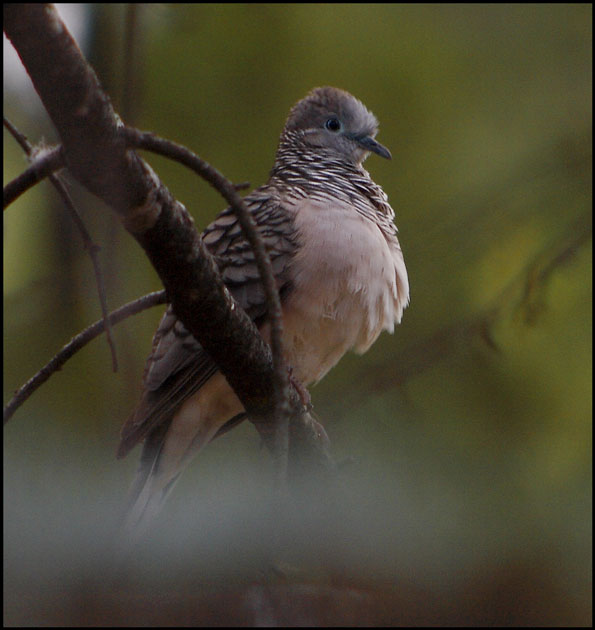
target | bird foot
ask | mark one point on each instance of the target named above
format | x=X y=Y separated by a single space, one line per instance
x=303 y=393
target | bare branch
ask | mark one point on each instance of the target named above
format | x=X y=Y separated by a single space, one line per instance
x=46 y=163
x=88 y=243
x=18 y=136
x=75 y=344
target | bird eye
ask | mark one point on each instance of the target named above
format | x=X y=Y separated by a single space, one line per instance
x=333 y=124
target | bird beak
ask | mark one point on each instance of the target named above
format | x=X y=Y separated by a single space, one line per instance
x=369 y=144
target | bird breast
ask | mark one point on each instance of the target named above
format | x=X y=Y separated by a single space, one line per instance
x=348 y=284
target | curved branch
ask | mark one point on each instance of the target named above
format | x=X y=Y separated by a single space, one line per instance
x=45 y=164
x=75 y=344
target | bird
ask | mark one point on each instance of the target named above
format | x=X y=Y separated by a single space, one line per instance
x=330 y=233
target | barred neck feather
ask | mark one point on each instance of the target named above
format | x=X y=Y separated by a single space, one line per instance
x=322 y=173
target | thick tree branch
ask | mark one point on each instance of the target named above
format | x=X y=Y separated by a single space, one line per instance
x=80 y=110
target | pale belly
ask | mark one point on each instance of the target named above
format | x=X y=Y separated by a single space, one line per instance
x=346 y=289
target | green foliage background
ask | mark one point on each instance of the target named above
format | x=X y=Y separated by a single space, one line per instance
x=470 y=427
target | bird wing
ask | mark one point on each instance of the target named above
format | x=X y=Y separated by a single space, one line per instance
x=178 y=366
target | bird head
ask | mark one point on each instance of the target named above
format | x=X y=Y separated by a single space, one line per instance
x=334 y=120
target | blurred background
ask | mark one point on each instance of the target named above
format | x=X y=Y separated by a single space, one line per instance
x=467 y=498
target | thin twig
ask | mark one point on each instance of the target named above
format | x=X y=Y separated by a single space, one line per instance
x=41 y=166
x=88 y=243
x=151 y=142
x=18 y=136
x=75 y=344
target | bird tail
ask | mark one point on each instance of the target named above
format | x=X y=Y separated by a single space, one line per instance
x=145 y=500
x=152 y=486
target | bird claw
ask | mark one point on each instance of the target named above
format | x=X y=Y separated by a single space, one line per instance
x=303 y=393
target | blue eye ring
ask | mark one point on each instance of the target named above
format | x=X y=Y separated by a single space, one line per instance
x=333 y=124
